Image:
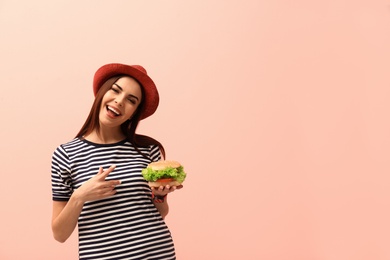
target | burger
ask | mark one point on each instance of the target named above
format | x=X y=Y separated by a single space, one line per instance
x=162 y=173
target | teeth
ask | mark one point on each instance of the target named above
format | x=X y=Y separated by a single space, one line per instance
x=113 y=110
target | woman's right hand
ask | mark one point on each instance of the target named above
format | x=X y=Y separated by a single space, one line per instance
x=97 y=187
x=66 y=213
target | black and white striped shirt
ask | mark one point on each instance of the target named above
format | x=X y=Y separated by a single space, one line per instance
x=124 y=226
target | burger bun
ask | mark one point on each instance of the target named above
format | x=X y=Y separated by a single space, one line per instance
x=161 y=165
x=163 y=182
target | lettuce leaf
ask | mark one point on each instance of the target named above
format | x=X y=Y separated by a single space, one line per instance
x=176 y=173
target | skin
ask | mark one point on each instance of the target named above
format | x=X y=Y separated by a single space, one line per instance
x=124 y=97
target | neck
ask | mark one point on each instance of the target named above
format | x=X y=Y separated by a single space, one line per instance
x=105 y=137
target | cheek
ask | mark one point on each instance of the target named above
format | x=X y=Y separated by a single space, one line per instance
x=102 y=107
x=131 y=110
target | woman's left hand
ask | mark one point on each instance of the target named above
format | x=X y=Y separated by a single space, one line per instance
x=164 y=190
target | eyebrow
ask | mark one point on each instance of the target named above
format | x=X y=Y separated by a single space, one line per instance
x=122 y=90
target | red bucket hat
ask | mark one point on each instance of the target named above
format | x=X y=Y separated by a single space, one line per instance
x=151 y=97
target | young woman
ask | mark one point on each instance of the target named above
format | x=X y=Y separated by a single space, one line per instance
x=96 y=177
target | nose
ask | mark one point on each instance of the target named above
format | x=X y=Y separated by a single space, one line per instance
x=119 y=101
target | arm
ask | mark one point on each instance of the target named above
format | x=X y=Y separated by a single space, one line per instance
x=66 y=214
x=162 y=206
x=64 y=217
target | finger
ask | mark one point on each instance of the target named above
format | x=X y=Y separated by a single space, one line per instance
x=111 y=168
x=173 y=188
x=107 y=172
x=113 y=183
x=100 y=170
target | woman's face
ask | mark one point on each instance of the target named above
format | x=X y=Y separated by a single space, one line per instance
x=120 y=102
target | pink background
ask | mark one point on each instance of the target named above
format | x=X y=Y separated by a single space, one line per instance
x=279 y=111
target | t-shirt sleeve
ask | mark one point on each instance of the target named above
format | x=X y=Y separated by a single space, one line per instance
x=155 y=153
x=61 y=180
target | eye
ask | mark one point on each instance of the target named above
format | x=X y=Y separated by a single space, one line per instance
x=115 y=89
x=132 y=101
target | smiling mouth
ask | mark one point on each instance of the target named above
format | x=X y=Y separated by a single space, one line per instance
x=112 y=111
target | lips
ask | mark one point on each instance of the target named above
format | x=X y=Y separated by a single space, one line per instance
x=112 y=111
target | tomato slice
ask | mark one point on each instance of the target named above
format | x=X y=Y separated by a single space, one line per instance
x=165 y=180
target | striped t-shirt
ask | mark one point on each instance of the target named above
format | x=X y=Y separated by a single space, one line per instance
x=126 y=225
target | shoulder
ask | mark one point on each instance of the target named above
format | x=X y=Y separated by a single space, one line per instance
x=74 y=142
x=69 y=143
x=64 y=147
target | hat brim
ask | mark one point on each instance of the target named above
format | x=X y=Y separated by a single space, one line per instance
x=151 y=97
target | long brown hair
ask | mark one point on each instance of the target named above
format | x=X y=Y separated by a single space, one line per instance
x=128 y=128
